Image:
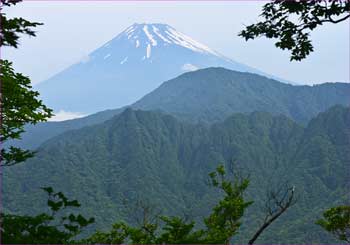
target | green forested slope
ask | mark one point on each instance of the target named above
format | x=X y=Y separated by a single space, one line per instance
x=150 y=156
x=210 y=95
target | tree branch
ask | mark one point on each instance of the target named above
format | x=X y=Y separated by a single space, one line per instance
x=339 y=20
x=287 y=200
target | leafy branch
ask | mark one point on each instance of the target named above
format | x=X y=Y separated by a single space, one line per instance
x=292 y=21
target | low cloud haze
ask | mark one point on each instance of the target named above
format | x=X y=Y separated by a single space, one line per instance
x=65 y=115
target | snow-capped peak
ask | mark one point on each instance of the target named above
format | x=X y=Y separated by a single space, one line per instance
x=144 y=42
x=155 y=34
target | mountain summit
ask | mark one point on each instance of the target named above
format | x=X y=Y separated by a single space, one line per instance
x=128 y=67
x=146 y=38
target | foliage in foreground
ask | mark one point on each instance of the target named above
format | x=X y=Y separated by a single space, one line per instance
x=337 y=221
x=56 y=227
x=293 y=33
x=19 y=104
x=222 y=224
x=61 y=226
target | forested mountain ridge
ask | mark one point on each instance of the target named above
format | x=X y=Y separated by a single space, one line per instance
x=155 y=157
x=210 y=95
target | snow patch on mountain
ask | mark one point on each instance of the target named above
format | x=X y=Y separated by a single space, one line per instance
x=156 y=31
x=187 y=42
x=150 y=36
x=148 y=54
x=129 y=29
x=124 y=60
x=162 y=35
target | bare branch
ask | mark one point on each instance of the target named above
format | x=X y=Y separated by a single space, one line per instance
x=277 y=203
x=141 y=211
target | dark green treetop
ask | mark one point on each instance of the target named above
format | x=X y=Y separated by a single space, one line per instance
x=12 y=28
x=292 y=21
x=220 y=226
x=59 y=226
x=18 y=102
x=337 y=221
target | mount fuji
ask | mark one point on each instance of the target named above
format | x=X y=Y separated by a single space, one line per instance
x=128 y=67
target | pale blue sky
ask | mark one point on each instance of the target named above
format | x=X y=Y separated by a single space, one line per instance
x=75 y=28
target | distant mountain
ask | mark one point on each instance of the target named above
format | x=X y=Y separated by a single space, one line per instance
x=157 y=158
x=212 y=94
x=128 y=67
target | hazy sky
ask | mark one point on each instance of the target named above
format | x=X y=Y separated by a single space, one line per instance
x=72 y=29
